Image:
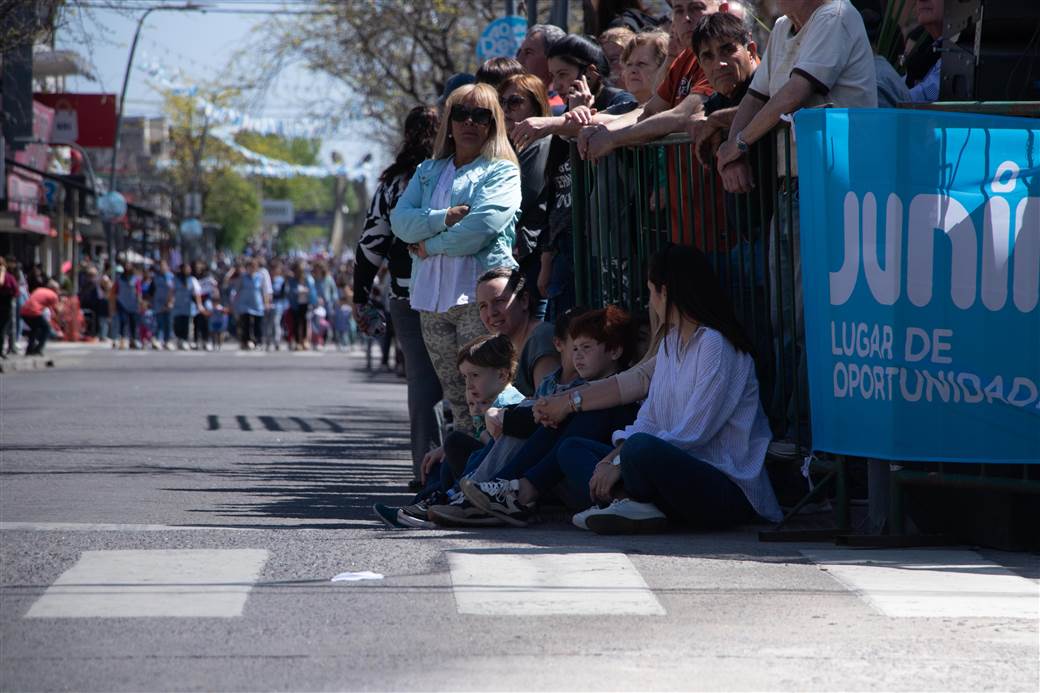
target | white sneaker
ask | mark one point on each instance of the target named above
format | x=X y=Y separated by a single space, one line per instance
x=626 y=516
x=579 y=518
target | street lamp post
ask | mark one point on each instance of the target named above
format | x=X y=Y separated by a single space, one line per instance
x=109 y=225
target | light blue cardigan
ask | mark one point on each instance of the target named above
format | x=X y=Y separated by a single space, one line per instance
x=491 y=188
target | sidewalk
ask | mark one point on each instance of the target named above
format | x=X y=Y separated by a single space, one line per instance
x=56 y=354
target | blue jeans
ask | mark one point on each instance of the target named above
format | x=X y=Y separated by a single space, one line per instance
x=127 y=323
x=686 y=489
x=541 y=460
x=163 y=329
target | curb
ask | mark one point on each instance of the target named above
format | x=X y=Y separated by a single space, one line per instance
x=26 y=363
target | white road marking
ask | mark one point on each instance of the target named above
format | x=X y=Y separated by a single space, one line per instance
x=537 y=583
x=110 y=527
x=190 y=583
x=931 y=583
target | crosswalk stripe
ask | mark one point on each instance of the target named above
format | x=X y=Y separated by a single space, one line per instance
x=931 y=583
x=540 y=583
x=111 y=527
x=180 y=583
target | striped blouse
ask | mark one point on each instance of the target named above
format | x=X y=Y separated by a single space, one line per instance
x=704 y=400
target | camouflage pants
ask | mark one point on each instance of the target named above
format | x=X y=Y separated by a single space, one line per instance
x=445 y=334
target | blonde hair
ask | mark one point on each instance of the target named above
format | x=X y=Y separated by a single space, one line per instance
x=658 y=40
x=497 y=144
x=530 y=87
x=619 y=36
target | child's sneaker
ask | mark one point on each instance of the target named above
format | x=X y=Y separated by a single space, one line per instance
x=415 y=515
x=499 y=498
x=388 y=514
x=462 y=513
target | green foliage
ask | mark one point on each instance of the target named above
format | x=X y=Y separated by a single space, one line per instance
x=233 y=203
x=299 y=238
x=306 y=193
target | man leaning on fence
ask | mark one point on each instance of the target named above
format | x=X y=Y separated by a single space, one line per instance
x=818 y=55
x=680 y=96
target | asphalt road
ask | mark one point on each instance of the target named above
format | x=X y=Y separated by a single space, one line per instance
x=172 y=521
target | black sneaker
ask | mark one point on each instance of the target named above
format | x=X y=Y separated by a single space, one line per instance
x=499 y=498
x=462 y=513
x=416 y=516
x=388 y=515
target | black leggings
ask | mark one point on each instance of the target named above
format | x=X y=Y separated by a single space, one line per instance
x=201 y=328
x=249 y=326
x=299 y=314
x=181 y=324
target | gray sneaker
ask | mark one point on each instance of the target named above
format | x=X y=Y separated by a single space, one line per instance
x=462 y=513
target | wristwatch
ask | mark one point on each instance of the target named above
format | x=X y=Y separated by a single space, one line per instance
x=617 y=460
x=575 y=402
x=742 y=146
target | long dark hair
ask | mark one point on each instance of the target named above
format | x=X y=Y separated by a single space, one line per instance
x=694 y=289
x=420 y=127
x=581 y=52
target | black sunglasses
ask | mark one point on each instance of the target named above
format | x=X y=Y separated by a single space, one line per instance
x=480 y=116
x=513 y=101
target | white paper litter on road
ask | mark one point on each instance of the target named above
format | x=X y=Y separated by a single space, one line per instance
x=355 y=577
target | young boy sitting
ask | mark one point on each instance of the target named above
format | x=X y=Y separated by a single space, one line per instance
x=602 y=344
x=487 y=365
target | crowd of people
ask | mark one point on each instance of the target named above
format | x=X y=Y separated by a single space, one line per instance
x=632 y=423
x=260 y=303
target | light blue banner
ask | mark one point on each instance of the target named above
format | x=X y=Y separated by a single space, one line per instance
x=920 y=248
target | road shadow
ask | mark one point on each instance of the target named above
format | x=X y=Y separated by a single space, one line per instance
x=359 y=457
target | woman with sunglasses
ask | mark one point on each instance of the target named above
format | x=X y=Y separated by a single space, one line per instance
x=458 y=215
x=522 y=97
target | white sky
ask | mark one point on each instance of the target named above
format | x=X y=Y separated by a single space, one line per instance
x=199 y=45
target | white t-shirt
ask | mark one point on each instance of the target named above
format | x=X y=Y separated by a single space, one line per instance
x=831 y=51
x=443 y=281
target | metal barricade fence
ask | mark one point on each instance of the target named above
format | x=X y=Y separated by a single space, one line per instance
x=632 y=202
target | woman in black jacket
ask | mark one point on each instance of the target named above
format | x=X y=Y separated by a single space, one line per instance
x=378 y=244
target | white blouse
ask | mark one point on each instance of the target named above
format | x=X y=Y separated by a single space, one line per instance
x=444 y=281
x=704 y=400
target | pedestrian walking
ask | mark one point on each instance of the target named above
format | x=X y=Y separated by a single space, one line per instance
x=302 y=295
x=187 y=304
x=128 y=306
x=249 y=304
x=161 y=299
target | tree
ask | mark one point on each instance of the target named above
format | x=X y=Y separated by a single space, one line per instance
x=232 y=202
x=315 y=194
x=390 y=54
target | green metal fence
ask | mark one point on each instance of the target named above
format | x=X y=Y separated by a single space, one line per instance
x=631 y=203
x=634 y=201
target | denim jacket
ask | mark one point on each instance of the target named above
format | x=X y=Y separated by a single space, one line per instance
x=491 y=188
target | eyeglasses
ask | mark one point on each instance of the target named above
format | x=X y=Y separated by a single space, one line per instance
x=480 y=116
x=513 y=101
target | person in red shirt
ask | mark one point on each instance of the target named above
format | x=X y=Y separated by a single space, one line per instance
x=43 y=298
x=679 y=97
